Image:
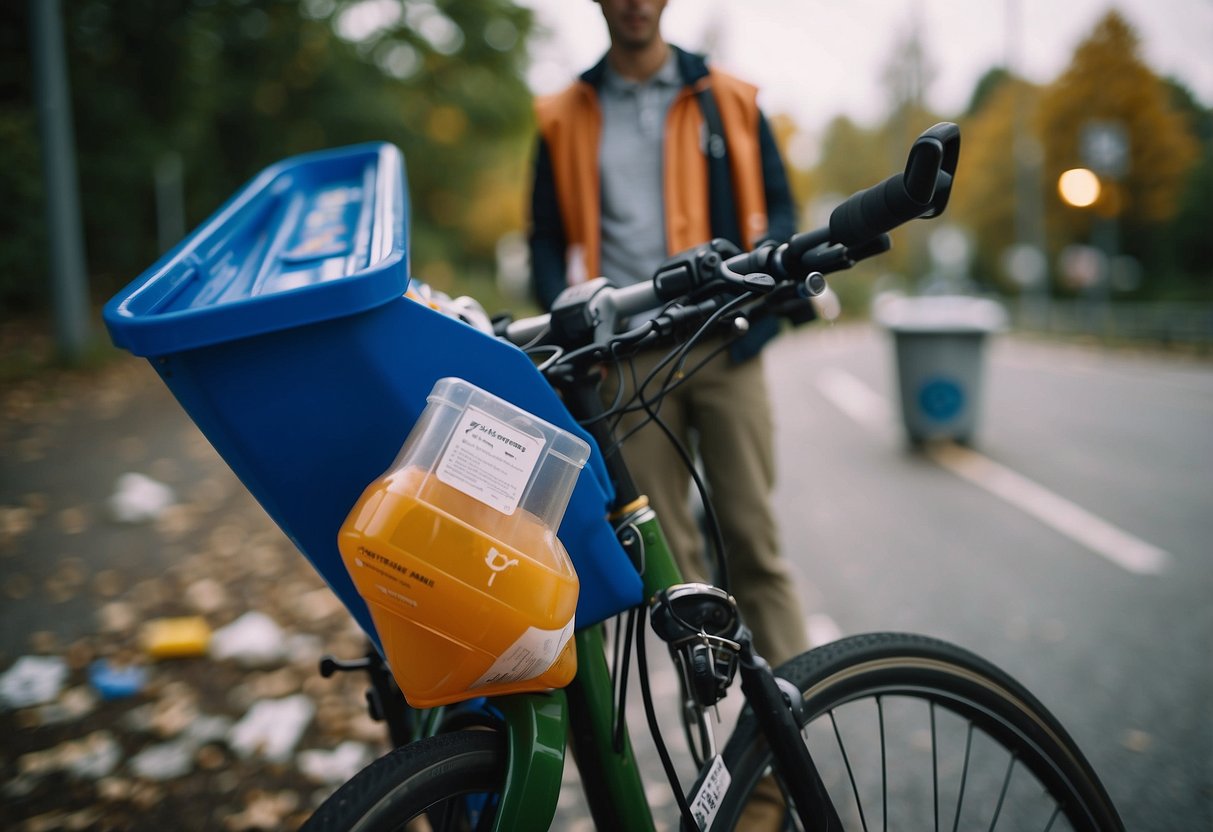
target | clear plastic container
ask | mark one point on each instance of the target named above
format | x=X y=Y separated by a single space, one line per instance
x=455 y=551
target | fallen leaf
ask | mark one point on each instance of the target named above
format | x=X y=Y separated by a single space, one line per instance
x=108 y=583
x=73 y=520
x=1136 y=740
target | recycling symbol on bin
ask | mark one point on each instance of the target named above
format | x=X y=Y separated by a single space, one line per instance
x=941 y=399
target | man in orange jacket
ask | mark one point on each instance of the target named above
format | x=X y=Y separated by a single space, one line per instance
x=649 y=153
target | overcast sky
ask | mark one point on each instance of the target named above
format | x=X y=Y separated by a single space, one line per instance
x=815 y=59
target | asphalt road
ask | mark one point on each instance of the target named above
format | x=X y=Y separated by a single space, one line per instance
x=886 y=538
x=882 y=538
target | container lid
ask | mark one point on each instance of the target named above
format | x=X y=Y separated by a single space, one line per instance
x=314 y=237
x=500 y=454
x=940 y=313
x=563 y=445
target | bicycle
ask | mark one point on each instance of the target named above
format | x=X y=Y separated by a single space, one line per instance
x=815 y=745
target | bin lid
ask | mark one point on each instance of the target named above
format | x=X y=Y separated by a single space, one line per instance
x=940 y=313
x=313 y=237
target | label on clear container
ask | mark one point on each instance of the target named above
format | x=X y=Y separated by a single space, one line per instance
x=489 y=460
x=531 y=655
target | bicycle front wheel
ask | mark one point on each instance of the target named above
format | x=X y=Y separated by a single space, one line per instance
x=449 y=781
x=913 y=733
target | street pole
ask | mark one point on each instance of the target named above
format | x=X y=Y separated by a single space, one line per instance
x=1105 y=145
x=69 y=280
x=1029 y=197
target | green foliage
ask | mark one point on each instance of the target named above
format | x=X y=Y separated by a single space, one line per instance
x=1188 y=240
x=23 y=249
x=987 y=85
x=23 y=252
x=230 y=86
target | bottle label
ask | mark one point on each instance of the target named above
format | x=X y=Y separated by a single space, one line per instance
x=489 y=460
x=531 y=655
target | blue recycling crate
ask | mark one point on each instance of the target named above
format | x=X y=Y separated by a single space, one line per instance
x=281 y=326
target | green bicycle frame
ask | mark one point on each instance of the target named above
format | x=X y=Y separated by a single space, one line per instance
x=537 y=724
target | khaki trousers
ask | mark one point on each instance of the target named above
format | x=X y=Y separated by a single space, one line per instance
x=726 y=405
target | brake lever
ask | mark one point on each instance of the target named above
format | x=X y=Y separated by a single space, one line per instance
x=752 y=282
x=751 y=271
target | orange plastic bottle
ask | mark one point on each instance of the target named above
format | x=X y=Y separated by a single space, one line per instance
x=454 y=549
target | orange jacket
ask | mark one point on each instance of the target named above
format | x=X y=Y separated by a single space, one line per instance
x=570 y=123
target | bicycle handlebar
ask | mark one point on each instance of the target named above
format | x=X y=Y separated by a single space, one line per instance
x=697 y=282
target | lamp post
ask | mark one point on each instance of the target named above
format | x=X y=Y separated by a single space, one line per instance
x=1025 y=260
x=1104 y=145
x=1081 y=188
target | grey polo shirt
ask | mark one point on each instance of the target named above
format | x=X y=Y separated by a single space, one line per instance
x=630 y=171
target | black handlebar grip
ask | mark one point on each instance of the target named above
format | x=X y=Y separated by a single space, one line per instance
x=922 y=190
x=873 y=211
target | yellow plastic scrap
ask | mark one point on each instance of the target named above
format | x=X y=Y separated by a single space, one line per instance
x=176 y=638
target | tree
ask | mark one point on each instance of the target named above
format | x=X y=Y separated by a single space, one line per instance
x=991 y=81
x=850 y=157
x=985 y=191
x=23 y=247
x=1187 y=243
x=230 y=86
x=1108 y=82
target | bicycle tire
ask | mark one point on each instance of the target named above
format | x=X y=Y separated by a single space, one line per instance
x=913 y=677
x=451 y=779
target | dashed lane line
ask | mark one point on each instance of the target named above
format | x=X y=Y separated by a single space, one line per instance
x=870 y=409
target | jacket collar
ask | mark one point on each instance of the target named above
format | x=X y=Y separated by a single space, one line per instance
x=691 y=68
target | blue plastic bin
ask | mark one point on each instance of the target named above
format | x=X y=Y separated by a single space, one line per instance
x=281 y=327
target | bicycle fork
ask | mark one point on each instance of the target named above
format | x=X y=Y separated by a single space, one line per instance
x=776 y=706
x=709 y=643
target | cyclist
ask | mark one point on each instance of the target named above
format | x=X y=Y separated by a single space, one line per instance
x=649 y=153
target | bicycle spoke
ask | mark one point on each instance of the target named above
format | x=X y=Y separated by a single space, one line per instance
x=846 y=760
x=1052 y=820
x=884 y=767
x=964 y=775
x=934 y=768
x=1003 y=795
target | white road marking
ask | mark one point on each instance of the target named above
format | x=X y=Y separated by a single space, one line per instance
x=1075 y=522
x=864 y=405
x=854 y=398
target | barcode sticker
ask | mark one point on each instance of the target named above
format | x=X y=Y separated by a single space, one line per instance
x=489 y=460
x=706 y=802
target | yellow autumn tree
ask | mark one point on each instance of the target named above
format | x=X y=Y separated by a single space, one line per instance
x=1108 y=83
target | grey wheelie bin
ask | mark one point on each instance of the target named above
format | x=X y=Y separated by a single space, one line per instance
x=939 y=344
